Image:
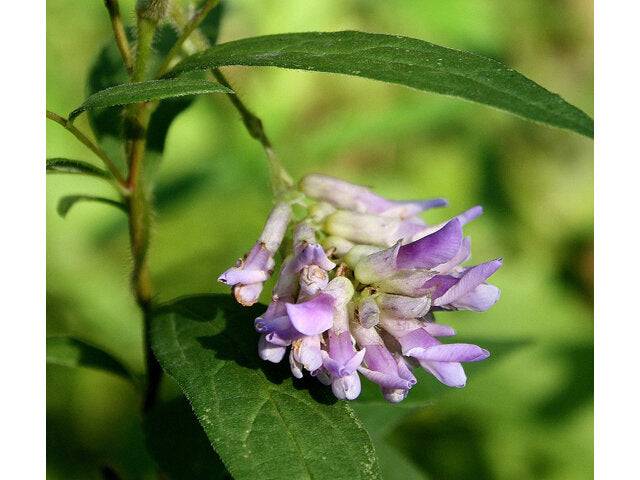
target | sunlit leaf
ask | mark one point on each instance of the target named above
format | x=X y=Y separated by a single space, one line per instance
x=402 y=60
x=263 y=424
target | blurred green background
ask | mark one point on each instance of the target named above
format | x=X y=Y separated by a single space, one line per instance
x=527 y=411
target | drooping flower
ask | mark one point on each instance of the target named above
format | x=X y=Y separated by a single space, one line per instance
x=361 y=300
x=250 y=273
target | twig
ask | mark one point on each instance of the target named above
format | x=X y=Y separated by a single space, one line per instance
x=88 y=143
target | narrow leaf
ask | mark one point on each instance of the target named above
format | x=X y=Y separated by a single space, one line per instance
x=147 y=91
x=71 y=352
x=65 y=203
x=396 y=59
x=65 y=165
x=263 y=424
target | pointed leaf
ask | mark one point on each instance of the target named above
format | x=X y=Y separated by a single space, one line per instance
x=147 y=91
x=65 y=165
x=71 y=352
x=402 y=60
x=262 y=423
x=65 y=203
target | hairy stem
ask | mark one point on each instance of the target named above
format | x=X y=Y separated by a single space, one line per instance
x=136 y=124
x=119 y=34
x=88 y=143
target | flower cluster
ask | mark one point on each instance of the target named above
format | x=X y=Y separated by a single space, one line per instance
x=362 y=300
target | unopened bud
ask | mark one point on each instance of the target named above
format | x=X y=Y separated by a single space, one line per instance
x=153 y=10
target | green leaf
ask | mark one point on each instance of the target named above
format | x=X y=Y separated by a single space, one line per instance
x=178 y=444
x=65 y=165
x=263 y=424
x=71 y=352
x=65 y=203
x=107 y=122
x=396 y=59
x=147 y=91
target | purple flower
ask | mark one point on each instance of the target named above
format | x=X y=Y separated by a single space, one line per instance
x=249 y=274
x=381 y=367
x=310 y=261
x=466 y=290
x=381 y=324
x=442 y=361
x=425 y=253
x=360 y=199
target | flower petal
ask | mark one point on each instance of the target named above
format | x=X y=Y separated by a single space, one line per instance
x=432 y=250
x=471 y=278
x=480 y=299
x=454 y=352
x=312 y=317
x=347 y=387
x=270 y=352
x=449 y=373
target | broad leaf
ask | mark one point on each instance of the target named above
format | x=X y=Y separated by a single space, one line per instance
x=65 y=203
x=402 y=60
x=65 y=165
x=71 y=352
x=147 y=91
x=263 y=424
x=178 y=444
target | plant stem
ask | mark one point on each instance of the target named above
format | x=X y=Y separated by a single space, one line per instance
x=136 y=124
x=92 y=146
x=188 y=30
x=281 y=181
x=119 y=33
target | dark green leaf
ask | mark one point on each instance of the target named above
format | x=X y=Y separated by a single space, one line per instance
x=71 y=352
x=65 y=203
x=147 y=91
x=178 y=444
x=263 y=424
x=402 y=60
x=65 y=165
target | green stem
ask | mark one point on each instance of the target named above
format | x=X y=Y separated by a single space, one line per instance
x=92 y=146
x=188 y=30
x=119 y=34
x=136 y=124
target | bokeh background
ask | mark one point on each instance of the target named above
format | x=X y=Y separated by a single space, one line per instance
x=527 y=411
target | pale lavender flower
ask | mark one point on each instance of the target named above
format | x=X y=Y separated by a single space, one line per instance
x=250 y=273
x=442 y=361
x=360 y=199
x=380 y=325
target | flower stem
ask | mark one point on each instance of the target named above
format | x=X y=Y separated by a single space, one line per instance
x=92 y=146
x=188 y=30
x=119 y=34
